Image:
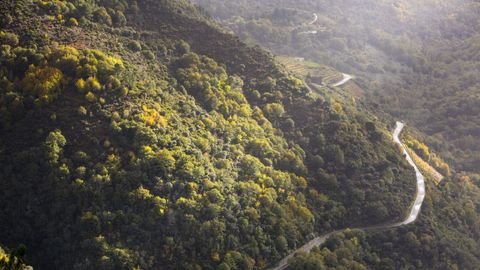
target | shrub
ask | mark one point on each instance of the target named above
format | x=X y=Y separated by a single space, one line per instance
x=119 y=19
x=149 y=55
x=123 y=91
x=90 y=97
x=113 y=83
x=81 y=85
x=54 y=145
x=274 y=110
x=83 y=9
x=182 y=47
x=42 y=82
x=101 y=16
x=134 y=46
x=66 y=58
x=14 y=259
x=73 y=22
x=107 y=65
x=7 y=20
x=337 y=107
x=166 y=161
x=82 y=111
x=152 y=118
x=93 y=84
x=86 y=70
x=8 y=39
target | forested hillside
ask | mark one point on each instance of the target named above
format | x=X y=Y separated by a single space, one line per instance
x=444 y=237
x=139 y=135
x=416 y=60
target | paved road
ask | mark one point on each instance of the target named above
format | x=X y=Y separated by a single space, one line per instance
x=346 y=78
x=311 y=32
x=417 y=205
x=315 y=19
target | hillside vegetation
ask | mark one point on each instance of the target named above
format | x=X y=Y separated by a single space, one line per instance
x=417 y=61
x=137 y=135
x=414 y=61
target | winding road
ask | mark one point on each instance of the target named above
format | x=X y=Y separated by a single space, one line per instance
x=315 y=19
x=346 y=78
x=415 y=210
x=311 y=32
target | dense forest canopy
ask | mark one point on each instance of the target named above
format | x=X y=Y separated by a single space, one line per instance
x=416 y=60
x=163 y=142
x=139 y=134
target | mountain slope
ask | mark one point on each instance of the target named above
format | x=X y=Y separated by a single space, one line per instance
x=137 y=134
x=415 y=61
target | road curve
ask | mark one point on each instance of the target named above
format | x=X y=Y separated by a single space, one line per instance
x=310 y=32
x=413 y=215
x=315 y=19
x=417 y=205
x=346 y=78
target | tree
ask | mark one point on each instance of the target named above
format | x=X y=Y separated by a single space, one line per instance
x=274 y=110
x=65 y=58
x=135 y=46
x=166 y=161
x=93 y=84
x=101 y=15
x=333 y=153
x=72 y=22
x=42 y=82
x=119 y=19
x=54 y=146
x=14 y=260
x=8 y=39
x=281 y=243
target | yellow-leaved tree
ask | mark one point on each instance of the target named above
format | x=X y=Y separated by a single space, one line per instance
x=42 y=82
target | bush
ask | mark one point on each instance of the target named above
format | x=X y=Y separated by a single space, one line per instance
x=152 y=118
x=113 y=83
x=7 y=20
x=54 y=145
x=149 y=55
x=166 y=161
x=90 y=97
x=73 y=22
x=135 y=46
x=123 y=91
x=274 y=110
x=81 y=85
x=82 y=111
x=8 y=39
x=182 y=47
x=101 y=16
x=94 y=84
x=119 y=19
x=14 y=260
x=42 y=83
x=66 y=58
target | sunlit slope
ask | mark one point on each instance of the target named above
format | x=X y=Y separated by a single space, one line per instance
x=138 y=134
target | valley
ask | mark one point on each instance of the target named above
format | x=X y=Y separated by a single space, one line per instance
x=411 y=217
x=232 y=135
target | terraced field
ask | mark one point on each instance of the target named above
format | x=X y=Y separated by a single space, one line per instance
x=317 y=73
